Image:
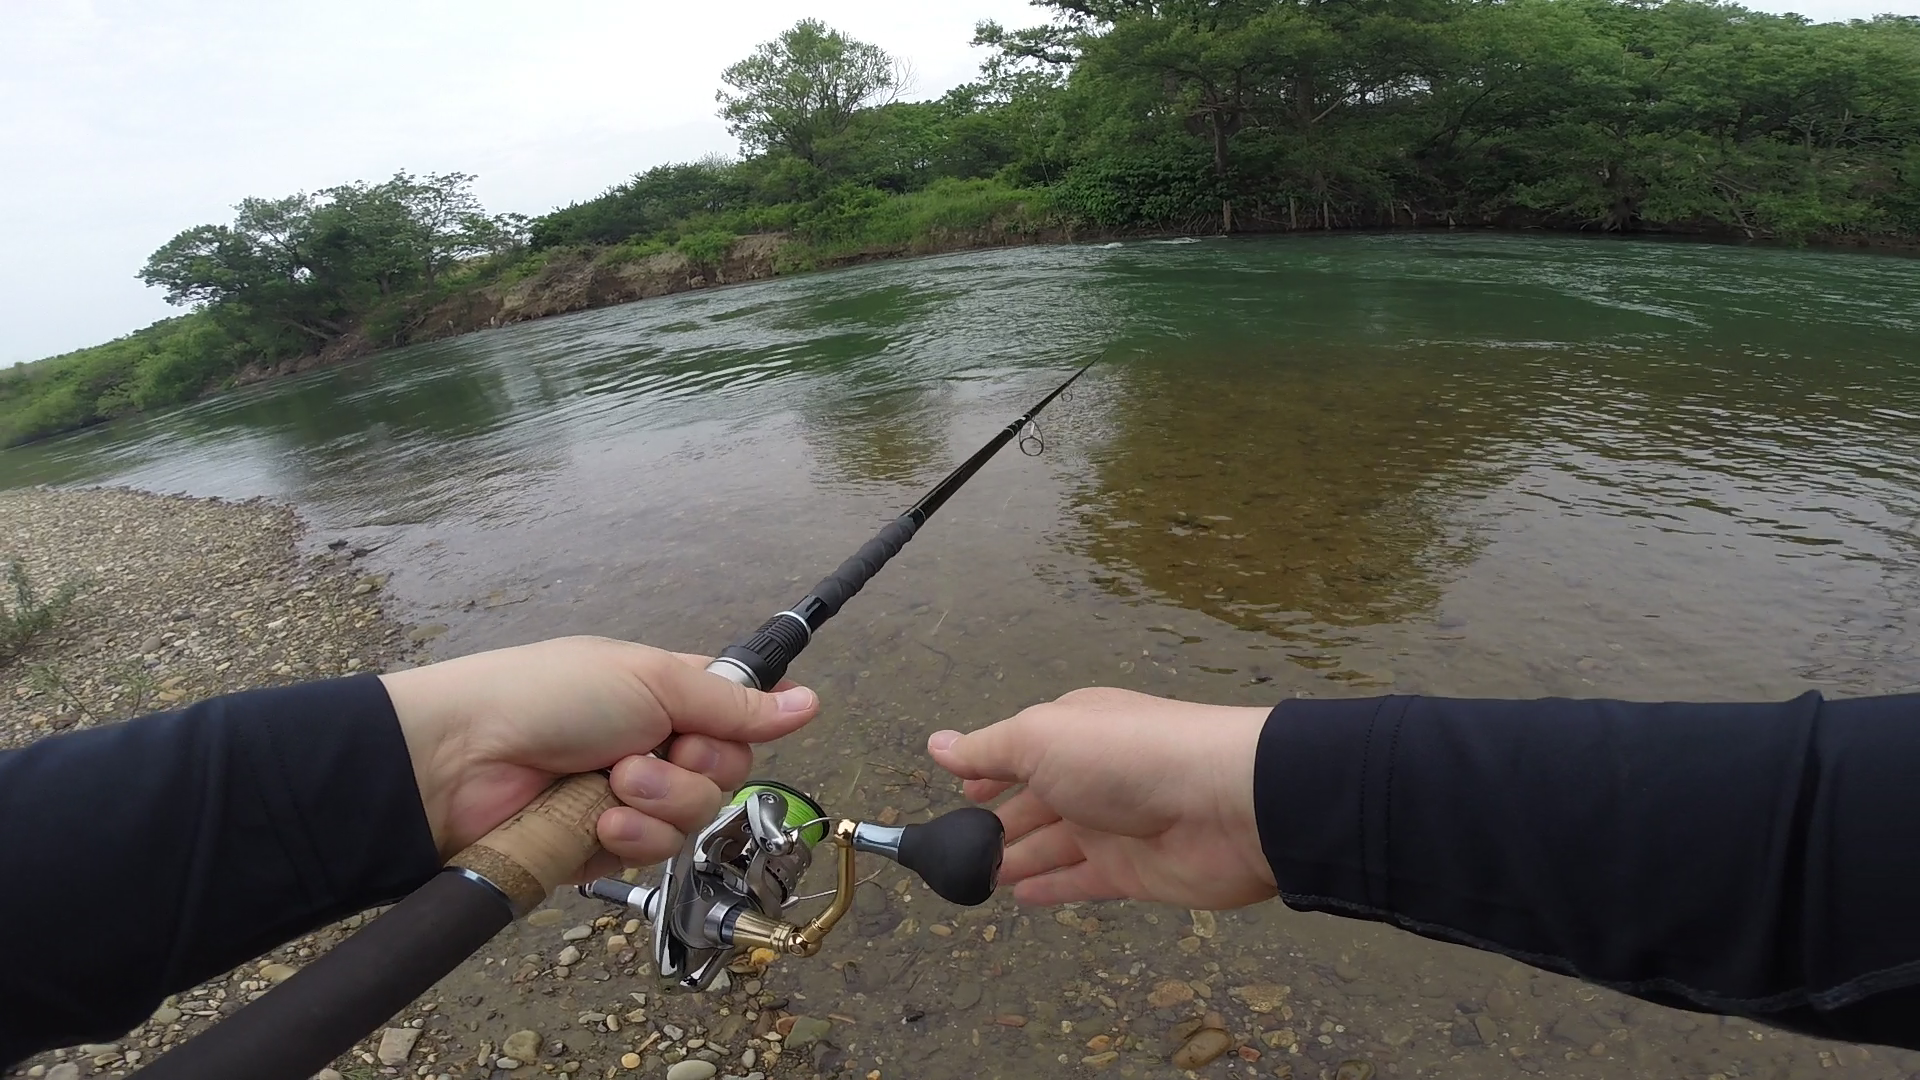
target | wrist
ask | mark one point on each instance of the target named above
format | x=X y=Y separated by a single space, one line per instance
x=428 y=735
x=1238 y=806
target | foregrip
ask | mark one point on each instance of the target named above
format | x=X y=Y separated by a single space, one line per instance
x=840 y=586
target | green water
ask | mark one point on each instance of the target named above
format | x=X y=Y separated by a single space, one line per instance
x=1484 y=465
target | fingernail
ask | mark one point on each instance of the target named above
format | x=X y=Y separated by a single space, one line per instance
x=940 y=740
x=702 y=758
x=795 y=699
x=649 y=779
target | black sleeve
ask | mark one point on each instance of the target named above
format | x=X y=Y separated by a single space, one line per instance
x=1760 y=860
x=203 y=838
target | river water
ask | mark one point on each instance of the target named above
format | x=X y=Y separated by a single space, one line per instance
x=1457 y=464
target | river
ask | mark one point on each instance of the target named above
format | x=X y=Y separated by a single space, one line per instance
x=1469 y=464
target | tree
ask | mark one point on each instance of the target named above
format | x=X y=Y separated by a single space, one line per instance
x=803 y=88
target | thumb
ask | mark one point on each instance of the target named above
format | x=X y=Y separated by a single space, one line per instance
x=696 y=700
x=995 y=752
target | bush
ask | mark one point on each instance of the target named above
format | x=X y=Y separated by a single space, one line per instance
x=27 y=616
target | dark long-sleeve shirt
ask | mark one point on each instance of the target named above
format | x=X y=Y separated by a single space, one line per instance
x=1755 y=859
x=202 y=838
x=1760 y=860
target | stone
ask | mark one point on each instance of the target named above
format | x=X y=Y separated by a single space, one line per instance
x=966 y=994
x=166 y=1014
x=1012 y=1020
x=1345 y=970
x=1101 y=1060
x=1577 y=1028
x=277 y=973
x=1170 y=993
x=328 y=1074
x=1501 y=1004
x=629 y=1060
x=547 y=916
x=692 y=1069
x=1488 y=1030
x=673 y=1033
x=569 y=956
x=1354 y=1069
x=577 y=933
x=1398 y=1033
x=1201 y=1047
x=1204 y=925
x=524 y=1045
x=396 y=1044
x=66 y=1070
x=422 y=634
x=1262 y=997
x=807 y=1030
x=506 y=1063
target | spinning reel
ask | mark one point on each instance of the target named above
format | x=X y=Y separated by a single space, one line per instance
x=725 y=893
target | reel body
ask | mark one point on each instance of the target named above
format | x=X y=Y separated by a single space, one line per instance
x=727 y=890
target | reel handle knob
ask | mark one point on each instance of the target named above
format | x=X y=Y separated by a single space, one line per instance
x=957 y=854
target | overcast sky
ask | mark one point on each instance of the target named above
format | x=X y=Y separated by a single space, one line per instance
x=125 y=121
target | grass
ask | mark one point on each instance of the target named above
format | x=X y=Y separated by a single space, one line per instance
x=28 y=616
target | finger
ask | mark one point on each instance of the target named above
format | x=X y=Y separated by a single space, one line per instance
x=700 y=701
x=725 y=763
x=664 y=791
x=1047 y=848
x=986 y=790
x=634 y=838
x=603 y=864
x=1069 y=884
x=995 y=752
x=1023 y=814
x=701 y=662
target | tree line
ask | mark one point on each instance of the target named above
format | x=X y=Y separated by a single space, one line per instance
x=1115 y=115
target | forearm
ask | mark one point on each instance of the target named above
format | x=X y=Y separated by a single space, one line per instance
x=212 y=834
x=1751 y=859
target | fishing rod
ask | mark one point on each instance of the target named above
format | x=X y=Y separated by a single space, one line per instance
x=722 y=896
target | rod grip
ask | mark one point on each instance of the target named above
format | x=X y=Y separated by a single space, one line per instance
x=536 y=850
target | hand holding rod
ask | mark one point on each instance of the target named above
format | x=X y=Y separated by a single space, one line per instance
x=299 y=1027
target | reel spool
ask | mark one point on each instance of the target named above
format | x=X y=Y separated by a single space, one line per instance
x=726 y=891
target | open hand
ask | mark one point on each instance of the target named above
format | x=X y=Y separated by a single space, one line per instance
x=1126 y=795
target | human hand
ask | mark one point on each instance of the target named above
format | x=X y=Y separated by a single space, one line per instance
x=490 y=731
x=1127 y=795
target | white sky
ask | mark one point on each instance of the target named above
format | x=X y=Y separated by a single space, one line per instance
x=124 y=121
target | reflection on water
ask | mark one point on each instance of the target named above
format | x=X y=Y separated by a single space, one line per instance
x=1464 y=464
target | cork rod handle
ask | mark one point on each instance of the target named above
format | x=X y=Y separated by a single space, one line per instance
x=538 y=849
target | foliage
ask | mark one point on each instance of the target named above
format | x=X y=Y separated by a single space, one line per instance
x=27 y=616
x=803 y=88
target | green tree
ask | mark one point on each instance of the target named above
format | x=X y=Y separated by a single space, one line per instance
x=803 y=88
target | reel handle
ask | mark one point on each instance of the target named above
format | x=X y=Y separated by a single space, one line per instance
x=957 y=854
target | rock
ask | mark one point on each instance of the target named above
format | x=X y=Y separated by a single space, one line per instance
x=422 y=634
x=1170 y=993
x=1578 y=1028
x=966 y=994
x=1501 y=1004
x=1346 y=971
x=396 y=1044
x=1262 y=997
x=578 y=933
x=807 y=1030
x=1204 y=925
x=1398 y=1033
x=66 y=1070
x=629 y=1060
x=547 y=916
x=569 y=956
x=328 y=1074
x=506 y=1063
x=1203 y=1046
x=1012 y=1020
x=1487 y=1029
x=166 y=1014
x=524 y=1045
x=692 y=1069
x=277 y=973
x=673 y=1033
x=1101 y=1060
x=1354 y=1069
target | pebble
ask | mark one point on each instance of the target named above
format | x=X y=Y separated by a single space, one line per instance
x=807 y=1030
x=165 y=1014
x=66 y=1070
x=966 y=995
x=524 y=1045
x=1486 y=1028
x=1399 y=1033
x=1354 y=1069
x=569 y=956
x=1262 y=997
x=328 y=1074
x=1201 y=1047
x=277 y=973
x=1204 y=925
x=1169 y=993
x=396 y=1044
x=1101 y=1060
x=1501 y=1004
x=692 y=1069
x=629 y=1060
x=673 y=1034
x=507 y=1063
x=547 y=917
x=577 y=933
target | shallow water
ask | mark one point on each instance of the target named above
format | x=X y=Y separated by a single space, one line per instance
x=1480 y=465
